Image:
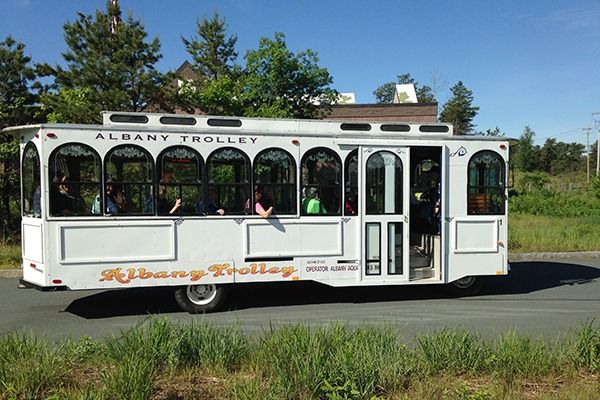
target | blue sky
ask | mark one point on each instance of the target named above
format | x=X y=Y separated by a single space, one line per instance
x=533 y=63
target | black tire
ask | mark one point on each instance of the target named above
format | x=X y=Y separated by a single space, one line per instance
x=466 y=286
x=197 y=299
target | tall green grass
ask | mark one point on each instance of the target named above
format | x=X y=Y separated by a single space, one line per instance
x=300 y=362
x=31 y=367
x=149 y=361
x=528 y=233
x=10 y=255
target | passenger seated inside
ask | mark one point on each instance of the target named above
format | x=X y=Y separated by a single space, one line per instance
x=351 y=202
x=312 y=203
x=209 y=207
x=425 y=205
x=115 y=201
x=163 y=204
x=262 y=204
x=63 y=202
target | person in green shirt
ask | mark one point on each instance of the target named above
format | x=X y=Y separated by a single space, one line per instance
x=312 y=203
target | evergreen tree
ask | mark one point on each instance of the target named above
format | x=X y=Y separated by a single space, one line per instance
x=459 y=110
x=279 y=83
x=212 y=52
x=18 y=96
x=218 y=87
x=110 y=66
x=384 y=94
x=527 y=154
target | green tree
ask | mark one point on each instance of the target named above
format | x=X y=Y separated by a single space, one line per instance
x=221 y=96
x=559 y=157
x=213 y=53
x=384 y=94
x=18 y=96
x=219 y=83
x=109 y=66
x=527 y=154
x=459 y=110
x=548 y=156
x=279 y=83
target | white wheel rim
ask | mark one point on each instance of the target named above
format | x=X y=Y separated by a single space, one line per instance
x=465 y=282
x=201 y=294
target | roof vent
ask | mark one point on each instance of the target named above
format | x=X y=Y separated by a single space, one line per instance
x=355 y=127
x=234 y=123
x=178 y=120
x=395 y=128
x=434 y=128
x=129 y=119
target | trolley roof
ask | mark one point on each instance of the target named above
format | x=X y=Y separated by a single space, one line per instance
x=178 y=123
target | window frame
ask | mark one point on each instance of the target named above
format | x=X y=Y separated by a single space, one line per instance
x=291 y=186
x=32 y=212
x=399 y=196
x=208 y=185
x=199 y=184
x=499 y=190
x=337 y=188
x=125 y=184
x=52 y=170
x=347 y=162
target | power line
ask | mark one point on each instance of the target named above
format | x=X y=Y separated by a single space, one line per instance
x=562 y=133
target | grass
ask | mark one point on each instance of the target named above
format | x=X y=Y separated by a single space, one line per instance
x=10 y=256
x=159 y=359
x=528 y=233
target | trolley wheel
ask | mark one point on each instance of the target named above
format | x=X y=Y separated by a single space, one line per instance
x=467 y=286
x=201 y=298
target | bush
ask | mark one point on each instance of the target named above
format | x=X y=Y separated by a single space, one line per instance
x=549 y=203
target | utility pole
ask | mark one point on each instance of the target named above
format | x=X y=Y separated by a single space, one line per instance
x=596 y=116
x=587 y=133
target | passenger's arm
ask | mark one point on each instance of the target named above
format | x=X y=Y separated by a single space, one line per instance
x=176 y=206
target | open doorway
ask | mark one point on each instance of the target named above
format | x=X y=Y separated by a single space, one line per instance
x=425 y=211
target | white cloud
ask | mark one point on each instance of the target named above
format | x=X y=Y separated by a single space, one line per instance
x=575 y=18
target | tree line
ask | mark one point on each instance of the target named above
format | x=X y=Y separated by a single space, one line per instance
x=110 y=64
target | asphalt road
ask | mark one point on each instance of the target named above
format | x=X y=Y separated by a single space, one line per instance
x=545 y=299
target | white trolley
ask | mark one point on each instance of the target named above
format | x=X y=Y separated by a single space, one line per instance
x=171 y=200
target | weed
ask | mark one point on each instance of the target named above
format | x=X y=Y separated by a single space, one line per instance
x=205 y=345
x=29 y=367
x=131 y=379
x=587 y=346
x=455 y=351
x=156 y=341
x=519 y=356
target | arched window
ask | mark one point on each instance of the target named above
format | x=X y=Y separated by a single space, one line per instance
x=129 y=175
x=228 y=172
x=74 y=174
x=486 y=184
x=351 y=183
x=321 y=182
x=180 y=177
x=384 y=183
x=275 y=172
x=30 y=183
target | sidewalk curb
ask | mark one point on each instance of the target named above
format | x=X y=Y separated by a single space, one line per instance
x=11 y=273
x=16 y=273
